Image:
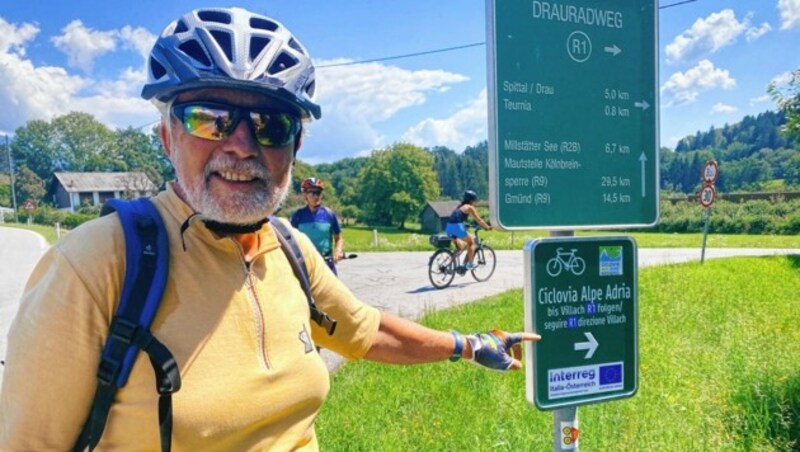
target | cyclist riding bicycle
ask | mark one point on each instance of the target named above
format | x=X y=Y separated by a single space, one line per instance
x=457 y=228
x=319 y=223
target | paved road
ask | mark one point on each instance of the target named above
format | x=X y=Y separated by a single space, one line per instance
x=19 y=251
x=398 y=282
x=395 y=282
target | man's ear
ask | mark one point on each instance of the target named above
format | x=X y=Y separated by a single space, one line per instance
x=165 y=139
x=298 y=141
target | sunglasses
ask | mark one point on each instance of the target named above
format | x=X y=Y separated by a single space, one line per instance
x=215 y=122
x=314 y=193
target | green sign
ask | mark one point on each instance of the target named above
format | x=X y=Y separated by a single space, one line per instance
x=581 y=297
x=573 y=101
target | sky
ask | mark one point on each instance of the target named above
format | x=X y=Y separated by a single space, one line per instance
x=716 y=59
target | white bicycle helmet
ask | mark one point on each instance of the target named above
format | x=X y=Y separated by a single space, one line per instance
x=231 y=48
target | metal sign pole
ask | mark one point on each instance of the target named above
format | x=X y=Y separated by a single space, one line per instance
x=705 y=234
x=11 y=173
x=565 y=429
x=565 y=420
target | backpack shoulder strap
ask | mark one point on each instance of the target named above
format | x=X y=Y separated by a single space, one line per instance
x=146 y=271
x=298 y=263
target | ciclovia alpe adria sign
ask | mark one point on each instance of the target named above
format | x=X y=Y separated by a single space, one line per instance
x=581 y=297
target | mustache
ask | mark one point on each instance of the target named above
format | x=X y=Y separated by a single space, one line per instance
x=250 y=167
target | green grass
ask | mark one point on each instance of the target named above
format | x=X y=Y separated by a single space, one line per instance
x=391 y=239
x=48 y=232
x=719 y=370
x=361 y=239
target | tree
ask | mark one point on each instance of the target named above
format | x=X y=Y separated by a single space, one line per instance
x=82 y=143
x=788 y=99
x=29 y=185
x=396 y=183
x=33 y=148
x=134 y=151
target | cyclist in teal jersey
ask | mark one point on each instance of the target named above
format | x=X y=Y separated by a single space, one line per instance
x=319 y=223
x=456 y=227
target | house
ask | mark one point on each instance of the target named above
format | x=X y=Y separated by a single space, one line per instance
x=433 y=217
x=70 y=191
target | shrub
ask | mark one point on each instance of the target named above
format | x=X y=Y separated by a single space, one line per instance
x=73 y=220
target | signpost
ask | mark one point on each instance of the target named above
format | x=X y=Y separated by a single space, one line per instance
x=573 y=101
x=29 y=207
x=581 y=297
x=706 y=196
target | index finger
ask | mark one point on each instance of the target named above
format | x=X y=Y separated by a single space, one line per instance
x=512 y=339
x=529 y=337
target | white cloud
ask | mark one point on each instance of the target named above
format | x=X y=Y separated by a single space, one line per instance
x=719 y=107
x=684 y=87
x=760 y=99
x=376 y=91
x=138 y=39
x=790 y=13
x=466 y=127
x=34 y=92
x=356 y=98
x=783 y=79
x=82 y=45
x=706 y=36
x=43 y=92
x=754 y=33
x=13 y=37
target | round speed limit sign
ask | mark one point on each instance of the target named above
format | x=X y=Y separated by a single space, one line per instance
x=707 y=195
x=710 y=171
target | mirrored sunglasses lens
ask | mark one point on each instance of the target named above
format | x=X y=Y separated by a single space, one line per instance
x=274 y=129
x=205 y=122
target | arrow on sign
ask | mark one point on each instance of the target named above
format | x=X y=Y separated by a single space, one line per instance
x=614 y=50
x=591 y=345
x=643 y=158
x=643 y=105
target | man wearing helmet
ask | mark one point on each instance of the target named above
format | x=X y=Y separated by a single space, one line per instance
x=319 y=223
x=457 y=228
x=233 y=89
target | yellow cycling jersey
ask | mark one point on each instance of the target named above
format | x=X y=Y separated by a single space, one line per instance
x=241 y=334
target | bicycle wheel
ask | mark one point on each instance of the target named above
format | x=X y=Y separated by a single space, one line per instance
x=441 y=269
x=484 y=257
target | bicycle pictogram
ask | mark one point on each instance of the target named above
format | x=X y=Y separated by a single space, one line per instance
x=566 y=260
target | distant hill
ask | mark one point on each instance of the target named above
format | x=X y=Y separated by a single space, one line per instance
x=761 y=131
x=753 y=155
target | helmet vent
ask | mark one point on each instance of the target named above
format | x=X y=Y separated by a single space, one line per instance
x=283 y=62
x=224 y=41
x=296 y=45
x=194 y=50
x=156 y=69
x=214 y=16
x=180 y=27
x=263 y=24
x=257 y=44
x=311 y=88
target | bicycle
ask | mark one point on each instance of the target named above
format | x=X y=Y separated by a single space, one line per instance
x=444 y=264
x=565 y=260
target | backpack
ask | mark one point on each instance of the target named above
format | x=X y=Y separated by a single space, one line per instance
x=146 y=271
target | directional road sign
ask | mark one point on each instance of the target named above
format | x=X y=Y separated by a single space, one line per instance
x=581 y=297
x=573 y=109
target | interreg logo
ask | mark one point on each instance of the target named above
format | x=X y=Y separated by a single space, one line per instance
x=610 y=261
x=576 y=381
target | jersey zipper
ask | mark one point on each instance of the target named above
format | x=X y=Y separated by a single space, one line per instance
x=255 y=306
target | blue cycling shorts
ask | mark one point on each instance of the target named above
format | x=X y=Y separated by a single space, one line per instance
x=456 y=229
